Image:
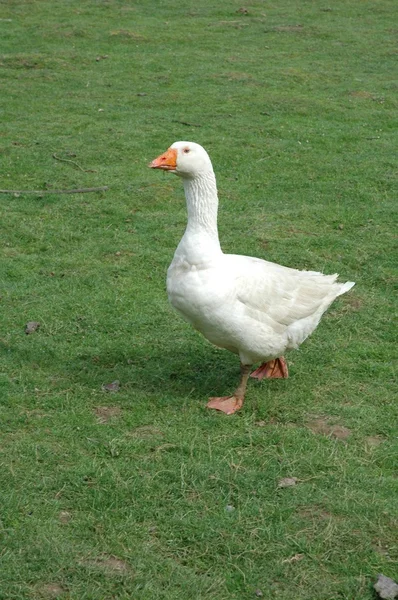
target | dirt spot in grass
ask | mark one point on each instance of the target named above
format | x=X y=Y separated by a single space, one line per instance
x=112 y=256
x=127 y=33
x=291 y=425
x=192 y=496
x=106 y=413
x=50 y=590
x=234 y=76
x=340 y=432
x=234 y=24
x=238 y=76
x=273 y=421
x=115 y=564
x=362 y=94
x=381 y=548
x=112 y=387
x=314 y=513
x=264 y=243
x=321 y=425
x=287 y=482
x=31 y=327
x=289 y=28
x=374 y=440
x=109 y=564
x=146 y=432
x=64 y=517
x=296 y=231
x=36 y=413
x=23 y=62
x=351 y=304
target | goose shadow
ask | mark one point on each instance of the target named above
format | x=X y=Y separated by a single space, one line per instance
x=167 y=369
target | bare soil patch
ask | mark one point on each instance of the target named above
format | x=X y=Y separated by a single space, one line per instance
x=322 y=426
x=50 y=590
x=109 y=564
x=105 y=413
x=145 y=432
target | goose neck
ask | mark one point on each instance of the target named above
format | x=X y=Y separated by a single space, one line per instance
x=202 y=203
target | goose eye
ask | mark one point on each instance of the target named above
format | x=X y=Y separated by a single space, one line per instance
x=186 y=151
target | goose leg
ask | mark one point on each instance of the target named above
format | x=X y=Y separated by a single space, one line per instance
x=230 y=404
x=273 y=369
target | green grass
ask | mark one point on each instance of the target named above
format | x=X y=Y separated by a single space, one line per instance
x=296 y=104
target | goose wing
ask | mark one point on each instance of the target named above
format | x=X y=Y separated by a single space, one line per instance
x=282 y=296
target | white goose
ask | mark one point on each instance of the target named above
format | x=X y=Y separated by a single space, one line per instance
x=252 y=307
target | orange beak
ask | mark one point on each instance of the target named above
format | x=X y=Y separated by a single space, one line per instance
x=166 y=161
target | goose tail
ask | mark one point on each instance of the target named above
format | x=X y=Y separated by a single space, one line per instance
x=344 y=287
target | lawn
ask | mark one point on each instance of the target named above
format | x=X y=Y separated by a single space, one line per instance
x=142 y=493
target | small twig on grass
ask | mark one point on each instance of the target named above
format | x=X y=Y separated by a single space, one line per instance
x=187 y=124
x=72 y=162
x=42 y=192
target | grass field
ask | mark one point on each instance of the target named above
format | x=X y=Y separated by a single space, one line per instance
x=142 y=493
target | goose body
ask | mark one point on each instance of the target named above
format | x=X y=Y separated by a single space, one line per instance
x=254 y=308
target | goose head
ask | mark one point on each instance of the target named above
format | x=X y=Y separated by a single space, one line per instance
x=186 y=159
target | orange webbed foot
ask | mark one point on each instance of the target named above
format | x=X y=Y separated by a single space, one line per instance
x=226 y=404
x=273 y=369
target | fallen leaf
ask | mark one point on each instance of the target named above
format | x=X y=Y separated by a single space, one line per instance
x=287 y=482
x=386 y=587
x=111 y=387
x=31 y=327
x=258 y=593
